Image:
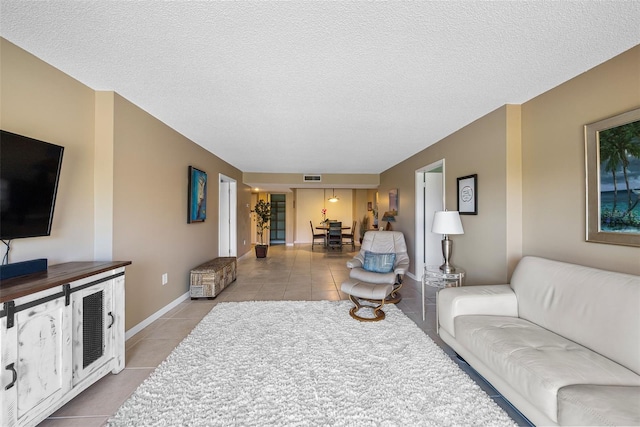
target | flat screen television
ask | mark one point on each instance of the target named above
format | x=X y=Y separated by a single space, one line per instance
x=29 y=175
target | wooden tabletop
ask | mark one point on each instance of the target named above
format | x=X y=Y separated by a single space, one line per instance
x=55 y=275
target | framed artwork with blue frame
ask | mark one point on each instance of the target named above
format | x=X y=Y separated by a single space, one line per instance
x=197 y=195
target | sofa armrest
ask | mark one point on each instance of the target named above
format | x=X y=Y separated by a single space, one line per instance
x=354 y=263
x=496 y=300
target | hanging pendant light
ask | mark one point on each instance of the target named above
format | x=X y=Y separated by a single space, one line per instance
x=333 y=198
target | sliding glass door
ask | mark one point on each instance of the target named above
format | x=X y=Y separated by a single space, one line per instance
x=277 y=226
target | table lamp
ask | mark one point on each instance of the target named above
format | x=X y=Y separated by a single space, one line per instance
x=447 y=222
x=389 y=217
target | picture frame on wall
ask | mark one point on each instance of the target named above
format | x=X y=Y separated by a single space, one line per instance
x=393 y=201
x=612 y=166
x=197 y=195
x=468 y=195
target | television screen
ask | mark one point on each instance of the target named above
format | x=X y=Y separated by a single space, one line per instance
x=29 y=174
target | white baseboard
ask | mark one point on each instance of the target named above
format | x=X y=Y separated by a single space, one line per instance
x=155 y=316
x=413 y=276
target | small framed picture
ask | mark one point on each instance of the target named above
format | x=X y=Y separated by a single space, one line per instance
x=369 y=206
x=393 y=201
x=468 y=195
x=197 y=195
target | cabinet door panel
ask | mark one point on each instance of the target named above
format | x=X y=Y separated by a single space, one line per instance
x=117 y=329
x=92 y=329
x=44 y=354
x=8 y=356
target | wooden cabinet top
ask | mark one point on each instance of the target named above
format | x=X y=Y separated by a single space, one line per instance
x=55 y=275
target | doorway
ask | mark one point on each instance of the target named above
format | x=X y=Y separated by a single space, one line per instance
x=227 y=218
x=429 y=199
x=278 y=224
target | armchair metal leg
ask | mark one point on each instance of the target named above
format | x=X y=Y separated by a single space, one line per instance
x=395 y=296
x=377 y=311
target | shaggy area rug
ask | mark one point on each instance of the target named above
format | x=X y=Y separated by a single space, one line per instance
x=298 y=363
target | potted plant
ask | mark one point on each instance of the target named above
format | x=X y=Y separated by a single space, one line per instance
x=364 y=226
x=262 y=210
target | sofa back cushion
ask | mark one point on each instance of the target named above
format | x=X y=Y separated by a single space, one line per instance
x=598 y=309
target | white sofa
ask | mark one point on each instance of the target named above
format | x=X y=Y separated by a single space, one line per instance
x=561 y=342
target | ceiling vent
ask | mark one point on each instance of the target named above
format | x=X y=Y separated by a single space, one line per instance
x=311 y=178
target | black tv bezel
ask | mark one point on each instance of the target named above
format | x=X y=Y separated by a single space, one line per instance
x=55 y=188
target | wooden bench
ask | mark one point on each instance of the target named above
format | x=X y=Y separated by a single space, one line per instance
x=210 y=278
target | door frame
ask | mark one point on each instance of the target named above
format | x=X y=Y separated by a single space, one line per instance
x=428 y=247
x=227 y=216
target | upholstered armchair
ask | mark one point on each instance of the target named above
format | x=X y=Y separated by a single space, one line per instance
x=376 y=272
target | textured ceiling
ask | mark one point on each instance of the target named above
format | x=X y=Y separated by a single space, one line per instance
x=321 y=87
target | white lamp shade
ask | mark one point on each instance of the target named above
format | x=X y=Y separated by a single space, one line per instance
x=447 y=222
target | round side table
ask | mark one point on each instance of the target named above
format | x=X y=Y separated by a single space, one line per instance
x=434 y=277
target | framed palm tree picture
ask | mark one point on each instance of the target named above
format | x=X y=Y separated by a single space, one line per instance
x=197 y=195
x=612 y=157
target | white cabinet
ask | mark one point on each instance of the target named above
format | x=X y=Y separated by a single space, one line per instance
x=36 y=352
x=58 y=341
x=97 y=323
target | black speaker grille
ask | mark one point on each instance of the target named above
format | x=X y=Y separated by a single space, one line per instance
x=92 y=328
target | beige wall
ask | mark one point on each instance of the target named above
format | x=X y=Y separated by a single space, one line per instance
x=286 y=181
x=123 y=188
x=531 y=176
x=478 y=148
x=41 y=102
x=554 y=166
x=150 y=208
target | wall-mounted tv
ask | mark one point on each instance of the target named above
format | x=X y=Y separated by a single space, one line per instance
x=29 y=175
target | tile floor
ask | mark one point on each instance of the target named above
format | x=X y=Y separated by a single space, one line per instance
x=288 y=273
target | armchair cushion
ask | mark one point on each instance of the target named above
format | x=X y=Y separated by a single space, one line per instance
x=383 y=242
x=372 y=277
x=354 y=263
x=379 y=263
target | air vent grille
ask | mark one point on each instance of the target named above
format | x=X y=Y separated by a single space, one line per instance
x=312 y=178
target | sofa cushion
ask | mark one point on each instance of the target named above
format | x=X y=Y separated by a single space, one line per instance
x=538 y=360
x=498 y=300
x=596 y=308
x=599 y=405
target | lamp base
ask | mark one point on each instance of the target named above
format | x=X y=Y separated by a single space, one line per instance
x=447 y=268
x=447 y=248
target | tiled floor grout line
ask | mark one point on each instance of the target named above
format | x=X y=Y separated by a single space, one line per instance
x=308 y=275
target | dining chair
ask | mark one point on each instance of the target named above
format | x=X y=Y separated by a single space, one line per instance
x=334 y=236
x=315 y=235
x=351 y=237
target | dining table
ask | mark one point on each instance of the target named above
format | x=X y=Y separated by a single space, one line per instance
x=326 y=229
